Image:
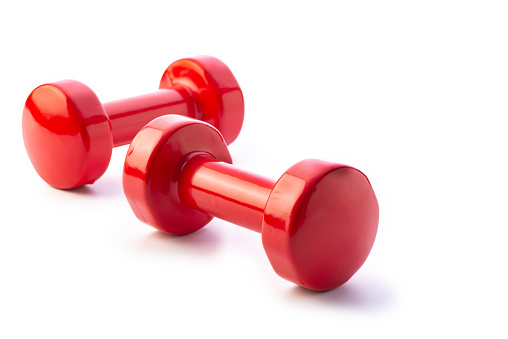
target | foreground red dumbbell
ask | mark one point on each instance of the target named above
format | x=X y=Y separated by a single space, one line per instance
x=318 y=221
x=69 y=134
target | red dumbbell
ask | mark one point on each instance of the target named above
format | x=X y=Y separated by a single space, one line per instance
x=318 y=222
x=69 y=134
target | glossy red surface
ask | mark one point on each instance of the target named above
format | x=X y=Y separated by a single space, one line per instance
x=129 y=115
x=318 y=221
x=69 y=134
x=216 y=94
x=226 y=192
x=152 y=170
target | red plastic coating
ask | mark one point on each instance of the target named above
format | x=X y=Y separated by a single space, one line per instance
x=129 y=115
x=69 y=134
x=318 y=222
x=225 y=192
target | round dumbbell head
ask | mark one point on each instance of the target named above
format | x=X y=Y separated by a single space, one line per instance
x=153 y=166
x=219 y=99
x=320 y=223
x=67 y=134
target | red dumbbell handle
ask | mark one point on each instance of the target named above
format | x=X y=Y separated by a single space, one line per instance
x=224 y=191
x=129 y=115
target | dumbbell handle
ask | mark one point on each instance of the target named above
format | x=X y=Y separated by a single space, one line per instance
x=129 y=115
x=224 y=191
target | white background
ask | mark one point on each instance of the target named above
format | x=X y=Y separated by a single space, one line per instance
x=413 y=93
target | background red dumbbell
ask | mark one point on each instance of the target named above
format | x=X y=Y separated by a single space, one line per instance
x=318 y=221
x=69 y=134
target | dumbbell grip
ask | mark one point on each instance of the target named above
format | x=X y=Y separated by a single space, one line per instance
x=129 y=115
x=224 y=191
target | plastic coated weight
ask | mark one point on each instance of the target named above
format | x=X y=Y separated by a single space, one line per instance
x=318 y=222
x=69 y=134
